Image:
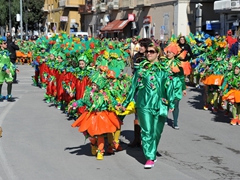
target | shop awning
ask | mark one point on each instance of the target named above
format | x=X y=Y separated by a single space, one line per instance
x=109 y=26
x=115 y=26
x=120 y=25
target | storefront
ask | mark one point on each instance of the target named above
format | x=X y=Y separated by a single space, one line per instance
x=147 y=27
x=229 y=15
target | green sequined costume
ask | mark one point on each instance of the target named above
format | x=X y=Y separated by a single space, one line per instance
x=155 y=97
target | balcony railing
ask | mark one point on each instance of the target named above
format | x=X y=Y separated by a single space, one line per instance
x=71 y=3
x=113 y=4
x=102 y=7
x=143 y=2
x=128 y=3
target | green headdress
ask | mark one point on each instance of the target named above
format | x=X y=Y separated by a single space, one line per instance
x=99 y=79
x=115 y=53
x=233 y=59
x=237 y=64
x=62 y=55
x=116 y=70
x=83 y=58
x=54 y=52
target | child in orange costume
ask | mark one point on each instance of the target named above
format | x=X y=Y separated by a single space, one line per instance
x=96 y=121
x=233 y=95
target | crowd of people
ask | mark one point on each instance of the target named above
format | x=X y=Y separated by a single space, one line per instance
x=86 y=79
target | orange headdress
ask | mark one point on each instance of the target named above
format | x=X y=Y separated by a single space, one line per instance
x=172 y=47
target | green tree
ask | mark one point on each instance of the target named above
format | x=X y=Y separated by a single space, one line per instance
x=32 y=12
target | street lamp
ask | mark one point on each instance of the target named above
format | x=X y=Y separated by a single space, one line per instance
x=10 y=18
x=21 y=23
x=198 y=17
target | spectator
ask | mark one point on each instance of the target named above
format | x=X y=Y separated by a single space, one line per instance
x=230 y=40
x=163 y=45
x=134 y=46
x=235 y=48
x=139 y=57
x=217 y=35
x=12 y=47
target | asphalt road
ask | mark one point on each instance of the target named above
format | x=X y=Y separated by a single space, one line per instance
x=39 y=143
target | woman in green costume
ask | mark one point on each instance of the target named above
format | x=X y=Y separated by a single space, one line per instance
x=155 y=97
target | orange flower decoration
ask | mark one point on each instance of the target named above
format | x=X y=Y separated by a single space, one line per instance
x=175 y=69
x=111 y=74
x=208 y=42
x=103 y=68
x=92 y=45
x=182 y=55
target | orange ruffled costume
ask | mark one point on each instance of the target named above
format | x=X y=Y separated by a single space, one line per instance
x=187 y=69
x=232 y=96
x=97 y=123
x=213 y=80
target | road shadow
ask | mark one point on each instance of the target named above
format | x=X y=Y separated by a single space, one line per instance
x=135 y=152
x=196 y=101
x=84 y=149
x=219 y=117
x=169 y=122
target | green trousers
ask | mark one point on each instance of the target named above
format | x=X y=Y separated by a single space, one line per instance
x=5 y=77
x=151 y=129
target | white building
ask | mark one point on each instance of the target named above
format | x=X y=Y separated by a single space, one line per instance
x=229 y=11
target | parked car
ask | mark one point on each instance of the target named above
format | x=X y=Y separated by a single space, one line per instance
x=79 y=34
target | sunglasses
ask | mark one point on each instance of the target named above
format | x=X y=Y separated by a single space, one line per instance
x=4 y=43
x=150 y=51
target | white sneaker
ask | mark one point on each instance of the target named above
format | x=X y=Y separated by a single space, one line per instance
x=176 y=127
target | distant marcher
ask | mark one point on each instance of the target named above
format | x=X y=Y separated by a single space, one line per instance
x=186 y=61
x=12 y=47
x=7 y=71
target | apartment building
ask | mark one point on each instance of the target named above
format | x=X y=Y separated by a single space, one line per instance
x=229 y=15
x=159 y=18
x=125 y=18
x=62 y=15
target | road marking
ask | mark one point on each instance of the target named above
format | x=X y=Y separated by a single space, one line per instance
x=7 y=169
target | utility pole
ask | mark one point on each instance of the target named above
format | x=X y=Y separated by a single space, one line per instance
x=21 y=19
x=198 y=17
x=26 y=10
x=10 y=18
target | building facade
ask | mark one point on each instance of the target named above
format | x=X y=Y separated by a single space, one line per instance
x=125 y=18
x=158 y=18
x=62 y=15
x=229 y=15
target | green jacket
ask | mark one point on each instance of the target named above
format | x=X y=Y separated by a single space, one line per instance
x=154 y=87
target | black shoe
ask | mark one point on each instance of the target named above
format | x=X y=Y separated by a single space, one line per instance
x=10 y=99
x=1 y=99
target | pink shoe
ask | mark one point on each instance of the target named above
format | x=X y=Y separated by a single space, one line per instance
x=149 y=164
